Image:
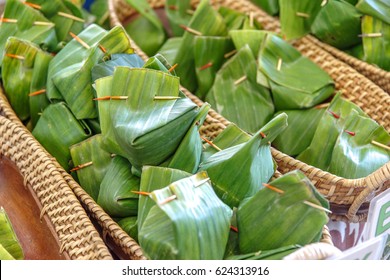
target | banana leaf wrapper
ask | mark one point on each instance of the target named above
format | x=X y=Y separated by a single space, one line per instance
x=275 y=254
x=207 y=22
x=75 y=82
x=26 y=27
x=342 y=31
x=209 y=51
x=377 y=48
x=170 y=48
x=193 y=226
x=19 y=74
x=147 y=130
x=116 y=194
x=270 y=219
x=129 y=225
x=58 y=129
x=245 y=103
x=10 y=245
x=249 y=165
x=281 y=68
x=155 y=178
x=297 y=16
x=91 y=163
x=147 y=23
x=379 y=9
x=66 y=16
x=252 y=38
x=269 y=6
x=302 y=124
x=179 y=12
x=159 y=62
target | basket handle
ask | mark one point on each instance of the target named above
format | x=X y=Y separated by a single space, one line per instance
x=374 y=182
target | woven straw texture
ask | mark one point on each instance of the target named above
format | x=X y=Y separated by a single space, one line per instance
x=66 y=218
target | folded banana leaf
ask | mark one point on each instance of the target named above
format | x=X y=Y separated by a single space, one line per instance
x=238 y=172
x=299 y=133
x=355 y=155
x=252 y=38
x=99 y=8
x=18 y=75
x=90 y=164
x=179 y=12
x=376 y=37
x=209 y=55
x=129 y=225
x=282 y=68
x=75 y=82
x=237 y=96
x=269 y=6
x=206 y=21
x=379 y=9
x=66 y=16
x=289 y=212
x=170 y=48
x=296 y=17
x=116 y=195
x=155 y=178
x=275 y=254
x=147 y=23
x=342 y=31
x=188 y=222
x=159 y=62
x=11 y=248
x=150 y=120
x=24 y=22
x=58 y=129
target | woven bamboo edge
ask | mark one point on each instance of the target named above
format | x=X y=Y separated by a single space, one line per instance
x=66 y=218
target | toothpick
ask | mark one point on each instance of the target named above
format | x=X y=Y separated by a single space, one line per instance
x=81 y=166
x=173 y=7
x=190 y=12
x=321 y=106
x=141 y=193
x=240 y=80
x=15 y=56
x=38 y=92
x=190 y=30
x=334 y=114
x=207 y=65
x=380 y=145
x=111 y=98
x=350 y=132
x=279 y=66
x=210 y=143
x=304 y=15
x=77 y=38
x=308 y=203
x=272 y=188
x=173 y=68
x=371 y=35
x=166 y=97
x=113 y=155
x=8 y=20
x=43 y=23
x=62 y=14
x=168 y=199
x=324 y=2
x=103 y=49
x=229 y=54
x=234 y=228
x=33 y=5
x=251 y=19
x=200 y=183
x=262 y=134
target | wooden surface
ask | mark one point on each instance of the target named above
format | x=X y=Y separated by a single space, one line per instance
x=34 y=235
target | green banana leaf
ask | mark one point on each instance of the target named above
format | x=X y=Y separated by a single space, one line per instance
x=99 y=8
x=209 y=55
x=116 y=194
x=159 y=62
x=147 y=23
x=8 y=239
x=188 y=154
x=232 y=246
x=331 y=125
x=155 y=178
x=94 y=125
x=18 y=73
x=269 y=6
x=207 y=22
x=302 y=125
x=379 y=9
x=179 y=12
x=75 y=82
x=377 y=48
x=252 y=38
x=342 y=31
x=147 y=131
x=129 y=225
x=237 y=20
x=296 y=17
x=106 y=68
x=170 y=48
x=282 y=68
x=58 y=129
x=275 y=254
x=60 y=13
x=193 y=226
x=239 y=171
x=353 y=2
x=354 y=155
x=24 y=28
x=97 y=160
x=246 y=103
x=270 y=220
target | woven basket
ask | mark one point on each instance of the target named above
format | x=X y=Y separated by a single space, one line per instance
x=67 y=220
